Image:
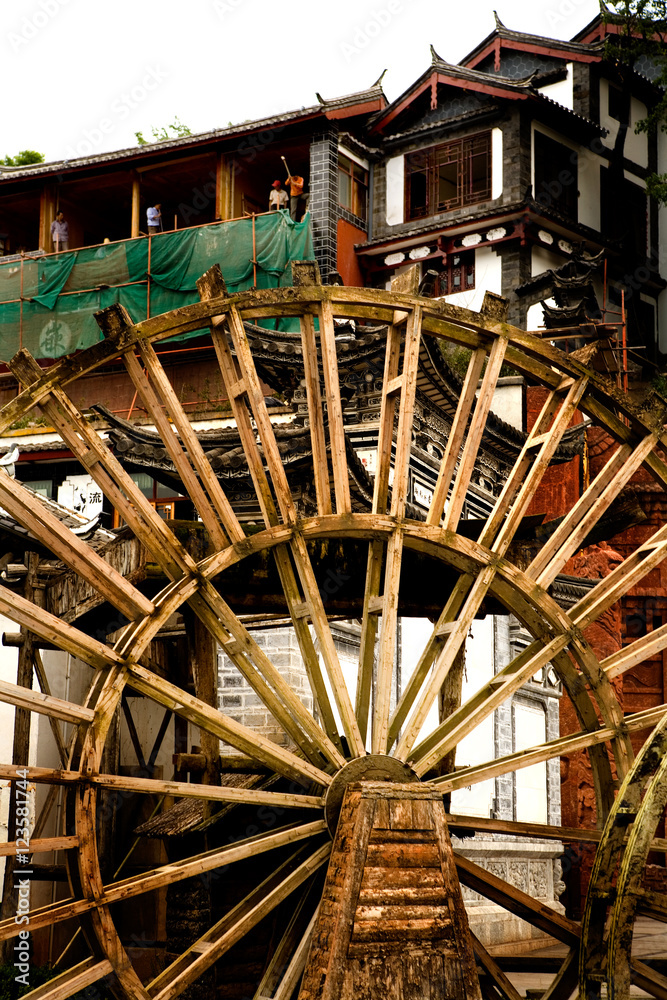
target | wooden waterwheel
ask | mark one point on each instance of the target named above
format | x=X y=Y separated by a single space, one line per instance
x=359 y=784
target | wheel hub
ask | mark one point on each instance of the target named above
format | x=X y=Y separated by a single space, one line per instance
x=372 y=767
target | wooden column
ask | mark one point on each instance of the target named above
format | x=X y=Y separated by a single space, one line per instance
x=203 y=657
x=136 y=188
x=20 y=753
x=222 y=206
x=47 y=213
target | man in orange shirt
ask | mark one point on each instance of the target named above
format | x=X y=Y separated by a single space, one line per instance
x=295 y=185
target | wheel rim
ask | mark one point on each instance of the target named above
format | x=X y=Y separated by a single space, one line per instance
x=483 y=567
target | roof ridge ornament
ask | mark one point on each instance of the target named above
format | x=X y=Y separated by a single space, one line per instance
x=435 y=58
x=378 y=82
x=499 y=24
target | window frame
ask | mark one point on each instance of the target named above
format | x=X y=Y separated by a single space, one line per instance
x=358 y=186
x=460 y=154
x=463 y=262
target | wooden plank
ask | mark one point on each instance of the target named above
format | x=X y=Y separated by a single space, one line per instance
x=297 y=964
x=524 y=479
x=265 y=679
x=29 y=510
x=327 y=646
x=648 y=979
x=43 y=682
x=52 y=629
x=72 y=981
x=115 y=483
x=315 y=416
x=491 y=967
x=456 y=435
x=562 y=746
x=590 y=507
x=222 y=793
x=35 y=701
x=262 y=749
x=474 y=436
x=223 y=937
x=165 y=429
x=520 y=903
x=335 y=425
x=136 y=885
x=41 y=845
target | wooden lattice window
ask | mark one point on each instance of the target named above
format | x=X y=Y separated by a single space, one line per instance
x=458 y=274
x=442 y=178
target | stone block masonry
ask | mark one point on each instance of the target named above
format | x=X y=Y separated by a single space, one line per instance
x=323 y=203
x=236 y=697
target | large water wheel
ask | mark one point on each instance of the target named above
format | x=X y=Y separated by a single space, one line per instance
x=357 y=777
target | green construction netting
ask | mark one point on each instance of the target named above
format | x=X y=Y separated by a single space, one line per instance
x=62 y=292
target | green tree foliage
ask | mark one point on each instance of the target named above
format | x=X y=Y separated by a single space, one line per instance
x=22 y=158
x=174 y=131
x=640 y=30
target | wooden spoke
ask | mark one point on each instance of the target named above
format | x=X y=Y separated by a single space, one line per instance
x=633 y=569
x=315 y=416
x=648 y=979
x=35 y=701
x=635 y=653
x=288 y=946
x=572 y=532
x=532 y=463
x=228 y=931
x=326 y=643
x=492 y=969
x=517 y=902
x=184 y=468
x=341 y=479
x=369 y=628
x=73 y=981
x=52 y=629
x=213 y=793
x=41 y=846
x=294 y=970
x=474 y=436
x=30 y=511
x=210 y=719
x=109 y=475
x=404 y=387
x=489 y=697
x=139 y=884
x=456 y=435
x=264 y=678
x=547 y=751
x=53 y=722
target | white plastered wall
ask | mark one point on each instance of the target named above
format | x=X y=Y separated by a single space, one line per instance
x=488 y=278
x=395 y=176
x=563 y=91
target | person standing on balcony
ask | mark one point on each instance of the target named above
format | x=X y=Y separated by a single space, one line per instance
x=295 y=184
x=154 y=219
x=277 y=197
x=60 y=233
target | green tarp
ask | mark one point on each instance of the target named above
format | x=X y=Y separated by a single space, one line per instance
x=61 y=293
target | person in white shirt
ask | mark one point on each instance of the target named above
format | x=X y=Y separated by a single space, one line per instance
x=60 y=233
x=154 y=219
x=278 y=197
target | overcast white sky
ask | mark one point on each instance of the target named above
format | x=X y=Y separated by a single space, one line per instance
x=82 y=76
